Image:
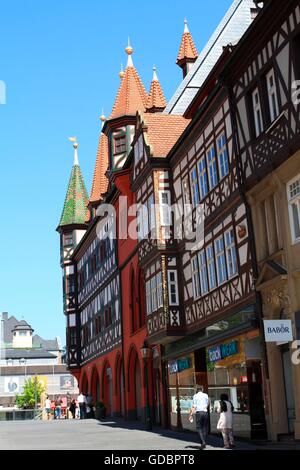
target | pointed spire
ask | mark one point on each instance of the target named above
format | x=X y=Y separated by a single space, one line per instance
x=132 y=96
x=188 y=53
x=129 y=52
x=186 y=28
x=100 y=181
x=75 y=206
x=156 y=100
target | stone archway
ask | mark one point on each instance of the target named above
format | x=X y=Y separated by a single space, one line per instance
x=107 y=388
x=134 y=377
x=95 y=386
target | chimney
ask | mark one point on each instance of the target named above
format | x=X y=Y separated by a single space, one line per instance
x=4 y=316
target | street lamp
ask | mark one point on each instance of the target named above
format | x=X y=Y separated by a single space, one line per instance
x=145 y=353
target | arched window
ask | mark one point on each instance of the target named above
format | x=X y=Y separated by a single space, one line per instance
x=142 y=299
x=132 y=305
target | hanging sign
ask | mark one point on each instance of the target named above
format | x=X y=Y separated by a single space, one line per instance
x=277 y=331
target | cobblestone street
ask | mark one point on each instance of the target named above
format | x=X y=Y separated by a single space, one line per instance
x=91 y=434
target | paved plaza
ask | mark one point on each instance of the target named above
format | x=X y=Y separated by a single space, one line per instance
x=95 y=435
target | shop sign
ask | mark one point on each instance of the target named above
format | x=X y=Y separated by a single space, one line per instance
x=184 y=364
x=180 y=365
x=217 y=353
x=173 y=367
x=277 y=331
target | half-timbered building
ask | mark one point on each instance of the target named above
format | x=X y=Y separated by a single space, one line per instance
x=262 y=75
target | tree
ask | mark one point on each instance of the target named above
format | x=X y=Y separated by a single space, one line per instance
x=31 y=395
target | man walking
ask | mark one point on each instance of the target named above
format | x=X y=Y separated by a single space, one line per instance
x=201 y=407
x=82 y=405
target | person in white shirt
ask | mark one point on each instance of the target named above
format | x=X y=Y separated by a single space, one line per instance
x=82 y=405
x=48 y=407
x=200 y=407
x=225 y=409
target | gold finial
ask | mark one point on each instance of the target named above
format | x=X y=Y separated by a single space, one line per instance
x=129 y=49
x=121 y=73
x=103 y=117
x=75 y=143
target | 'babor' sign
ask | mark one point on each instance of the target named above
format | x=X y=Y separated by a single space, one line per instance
x=277 y=331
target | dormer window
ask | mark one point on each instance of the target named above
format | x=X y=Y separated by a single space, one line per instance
x=120 y=144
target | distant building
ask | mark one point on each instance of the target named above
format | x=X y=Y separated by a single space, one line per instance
x=24 y=355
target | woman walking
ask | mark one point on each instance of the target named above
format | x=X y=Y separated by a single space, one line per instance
x=225 y=409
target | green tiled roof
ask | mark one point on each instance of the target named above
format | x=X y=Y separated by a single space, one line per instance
x=75 y=207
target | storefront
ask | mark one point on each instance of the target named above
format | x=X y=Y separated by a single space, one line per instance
x=223 y=364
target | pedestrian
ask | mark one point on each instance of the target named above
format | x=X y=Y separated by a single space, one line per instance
x=82 y=405
x=225 y=409
x=73 y=407
x=200 y=407
x=58 y=404
x=48 y=407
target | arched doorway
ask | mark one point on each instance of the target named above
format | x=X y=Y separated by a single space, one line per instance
x=95 y=386
x=134 y=386
x=119 y=386
x=107 y=388
x=84 y=388
x=138 y=389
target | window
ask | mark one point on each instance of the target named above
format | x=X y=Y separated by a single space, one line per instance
x=148 y=298
x=107 y=317
x=153 y=294
x=68 y=239
x=72 y=337
x=159 y=290
x=230 y=253
x=211 y=267
x=293 y=189
x=272 y=95
x=212 y=168
x=120 y=144
x=142 y=221
x=165 y=212
x=257 y=113
x=223 y=156
x=71 y=284
x=195 y=277
x=195 y=187
x=202 y=178
x=203 y=273
x=220 y=260
x=173 y=288
x=151 y=213
x=186 y=191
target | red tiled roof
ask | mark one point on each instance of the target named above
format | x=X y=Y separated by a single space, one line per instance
x=187 y=48
x=100 y=181
x=156 y=98
x=162 y=131
x=131 y=97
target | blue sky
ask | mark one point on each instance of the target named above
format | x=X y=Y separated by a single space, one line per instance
x=60 y=62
